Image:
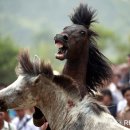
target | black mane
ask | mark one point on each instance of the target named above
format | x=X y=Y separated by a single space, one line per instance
x=98 y=68
x=83 y=16
x=99 y=72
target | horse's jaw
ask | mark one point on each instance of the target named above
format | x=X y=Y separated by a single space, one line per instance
x=55 y=114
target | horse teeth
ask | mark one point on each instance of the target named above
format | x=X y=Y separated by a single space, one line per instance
x=59 y=45
x=59 y=55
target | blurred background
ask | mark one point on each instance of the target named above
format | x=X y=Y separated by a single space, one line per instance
x=33 y=24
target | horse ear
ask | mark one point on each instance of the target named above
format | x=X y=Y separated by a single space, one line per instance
x=36 y=63
x=36 y=59
x=37 y=79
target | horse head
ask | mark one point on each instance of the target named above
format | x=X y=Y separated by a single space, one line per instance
x=77 y=43
x=72 y=41
x=37 y=86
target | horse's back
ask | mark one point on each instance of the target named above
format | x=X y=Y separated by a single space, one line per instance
x=103 y=122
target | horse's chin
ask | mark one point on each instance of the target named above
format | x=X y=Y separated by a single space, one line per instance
x=3 y=106
x=38 y=117
x=39 y=122
x=60 y=56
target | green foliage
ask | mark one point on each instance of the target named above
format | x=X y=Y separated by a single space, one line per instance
x=8 y=53
x=47 y=52
x=112 y=44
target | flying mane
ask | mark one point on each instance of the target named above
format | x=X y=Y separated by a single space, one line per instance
x=98 y=68
x=37 y=66
x=26 y=66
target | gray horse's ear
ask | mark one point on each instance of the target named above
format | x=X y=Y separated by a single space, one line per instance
x=37 y=62
x=37 y=79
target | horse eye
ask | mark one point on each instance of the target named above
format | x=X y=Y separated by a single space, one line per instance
x=82 y=32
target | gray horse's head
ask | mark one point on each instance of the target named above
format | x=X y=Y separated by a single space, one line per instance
x=23 y=93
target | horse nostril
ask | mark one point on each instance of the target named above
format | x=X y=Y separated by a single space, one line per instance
x=65 y=37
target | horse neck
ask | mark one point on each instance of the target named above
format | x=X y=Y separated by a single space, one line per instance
x=53 y=104
x=77 y=69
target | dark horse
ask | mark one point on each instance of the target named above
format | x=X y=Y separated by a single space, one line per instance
x=77 y=43
x=85 y=63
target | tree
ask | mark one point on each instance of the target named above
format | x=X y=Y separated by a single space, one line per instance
x=112 y=44
x=8 y=54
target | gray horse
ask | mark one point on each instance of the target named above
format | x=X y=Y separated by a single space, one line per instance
x=58 y=97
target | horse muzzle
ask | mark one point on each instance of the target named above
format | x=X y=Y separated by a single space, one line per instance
x=61 y=42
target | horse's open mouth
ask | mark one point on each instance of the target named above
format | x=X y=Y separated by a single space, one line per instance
x=62 y=50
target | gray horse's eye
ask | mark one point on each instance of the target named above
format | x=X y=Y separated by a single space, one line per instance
x=83 y=33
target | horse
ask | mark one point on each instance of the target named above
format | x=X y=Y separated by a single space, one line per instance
x=58 y=97
x=77 y=44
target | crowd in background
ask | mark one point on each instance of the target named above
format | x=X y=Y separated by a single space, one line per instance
x=18 y=120
x=116 y=96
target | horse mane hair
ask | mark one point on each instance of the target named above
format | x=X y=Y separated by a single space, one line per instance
x=26 y=66
x=99 y=72
x=98 y=68
x=83 y=16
